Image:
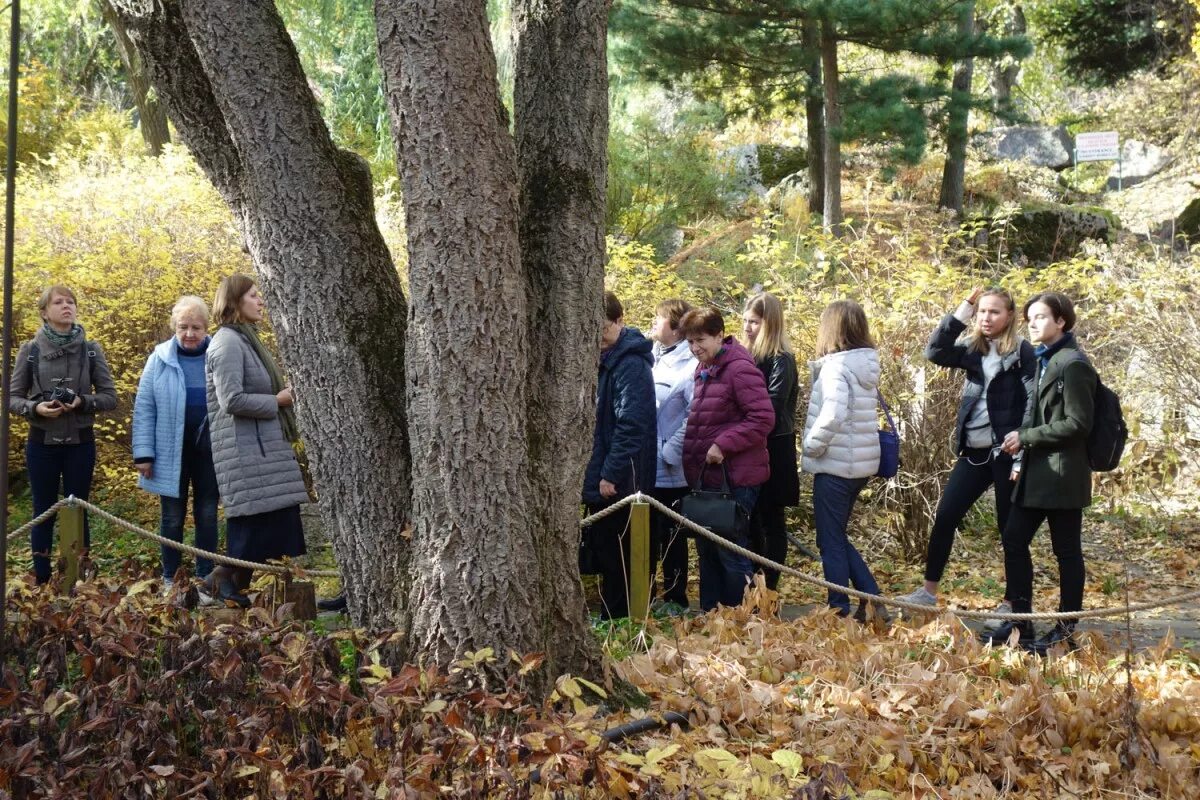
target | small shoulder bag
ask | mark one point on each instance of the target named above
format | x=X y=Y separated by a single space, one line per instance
x=889 y=444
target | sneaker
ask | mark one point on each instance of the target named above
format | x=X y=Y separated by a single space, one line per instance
x=205 y=598
x=1061 y=634
x=920 y=597
x=999 y=635
x=168 y=587
x=1005 y=607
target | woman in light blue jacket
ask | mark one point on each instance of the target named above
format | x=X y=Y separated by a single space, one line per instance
x=171 y=446
x=674 y=379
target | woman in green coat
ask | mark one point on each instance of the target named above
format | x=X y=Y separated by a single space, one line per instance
x=1054 y=484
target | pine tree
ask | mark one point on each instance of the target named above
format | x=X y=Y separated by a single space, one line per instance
x=711 y=45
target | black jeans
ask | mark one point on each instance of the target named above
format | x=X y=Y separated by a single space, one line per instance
x=195 y=471
x=669 y=544
x=1066 y=529
x=768 y=536
x=51 y=467
x=975 y=470
x=610 y=548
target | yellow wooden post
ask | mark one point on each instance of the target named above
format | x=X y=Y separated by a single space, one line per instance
x=70 y=543
x=639 y=561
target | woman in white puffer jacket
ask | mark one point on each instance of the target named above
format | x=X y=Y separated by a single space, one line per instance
x=841 y=443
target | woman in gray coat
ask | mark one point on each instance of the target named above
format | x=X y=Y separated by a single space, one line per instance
x=252 y=428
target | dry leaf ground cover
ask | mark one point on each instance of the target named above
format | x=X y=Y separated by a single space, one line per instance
x=113 y=693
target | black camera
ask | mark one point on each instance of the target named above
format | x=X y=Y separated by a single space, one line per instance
x=62 y=394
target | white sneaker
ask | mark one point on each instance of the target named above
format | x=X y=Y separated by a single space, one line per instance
x=168 y=587
x=1005 y=607
x=920 y=597
x=206 y=599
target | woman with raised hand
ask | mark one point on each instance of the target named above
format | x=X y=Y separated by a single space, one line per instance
x=172 y=450
x=252 y=427
x=59 y=382
x=998 y=367
x=766 y=339
x=727 y=428
x=841 y=444
x=1054 y=482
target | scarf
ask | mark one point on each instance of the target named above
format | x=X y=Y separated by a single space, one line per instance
x=287 y=416
x=62 y=339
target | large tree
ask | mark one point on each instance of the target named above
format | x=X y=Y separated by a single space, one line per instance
x=448 y=433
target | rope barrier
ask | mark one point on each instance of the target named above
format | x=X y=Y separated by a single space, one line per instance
x=671 y=514
x=229 y=561
x=875 y=598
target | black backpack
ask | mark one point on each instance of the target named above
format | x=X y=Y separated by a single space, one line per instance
x=1106 y=441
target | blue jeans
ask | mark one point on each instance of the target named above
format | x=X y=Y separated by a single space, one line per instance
x=51 y=467
x=833 y=500
x=196 y=470
x=724 y=573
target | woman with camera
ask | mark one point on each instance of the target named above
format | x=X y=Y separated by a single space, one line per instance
x=59 y=382
x=172 y=451
x=252 y=427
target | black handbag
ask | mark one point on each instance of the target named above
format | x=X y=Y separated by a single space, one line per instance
x=715 y=509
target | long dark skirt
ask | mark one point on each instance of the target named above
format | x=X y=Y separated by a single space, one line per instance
x=261 y=537
x=783 y=487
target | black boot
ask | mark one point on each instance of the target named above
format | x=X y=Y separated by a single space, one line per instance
x=1061 y=634
x=999 y=635
x=337 y=603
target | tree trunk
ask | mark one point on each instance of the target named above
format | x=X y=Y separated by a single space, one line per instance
x=482 y=572
x=814 y=115
x=561 y=125
x=234 y=88
x=833 y=129
x=959 y=107
x=152 y=117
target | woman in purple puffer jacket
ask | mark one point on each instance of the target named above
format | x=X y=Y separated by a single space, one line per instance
x=728 y=424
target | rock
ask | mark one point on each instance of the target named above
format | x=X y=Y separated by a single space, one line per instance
x=1053 y=234
x=1187 y=224
x=788 y=189
x=778 y=162
x=670 y=240
x=1038 y=145
x=1139 y=161
x=1045 y=235
x=745 y=177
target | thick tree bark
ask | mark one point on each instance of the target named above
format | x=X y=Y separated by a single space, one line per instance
x=561 y=124
x=478 y=573
x=233 y=85
x=152 y=117
x=814 y=115
x=955 y=169
x=833 y=129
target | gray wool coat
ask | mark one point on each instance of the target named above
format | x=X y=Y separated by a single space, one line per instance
x=256 y=467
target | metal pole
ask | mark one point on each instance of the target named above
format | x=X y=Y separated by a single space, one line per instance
x=6 y=348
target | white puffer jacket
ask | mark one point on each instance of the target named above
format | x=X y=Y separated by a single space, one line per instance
x=841 y=436
x=674 y=380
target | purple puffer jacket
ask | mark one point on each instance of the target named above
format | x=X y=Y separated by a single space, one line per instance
x=730 y=406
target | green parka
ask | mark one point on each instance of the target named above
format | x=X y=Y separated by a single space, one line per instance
x=1056 y=473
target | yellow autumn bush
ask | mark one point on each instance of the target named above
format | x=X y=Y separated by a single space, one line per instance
x=129 y=235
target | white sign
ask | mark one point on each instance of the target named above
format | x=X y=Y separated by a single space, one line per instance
x=1101 y=146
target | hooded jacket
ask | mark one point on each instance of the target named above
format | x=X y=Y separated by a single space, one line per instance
x=80 y=366
x=674 y=381
x=841 y=435
x=623 y=445
x=730 y=408
x=158 y=416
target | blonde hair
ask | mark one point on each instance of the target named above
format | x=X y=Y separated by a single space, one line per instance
x=227 y=306
x=843 y=326
x=1007 y=341
x=48 y=294
x=189 y=305
x=772 y=338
